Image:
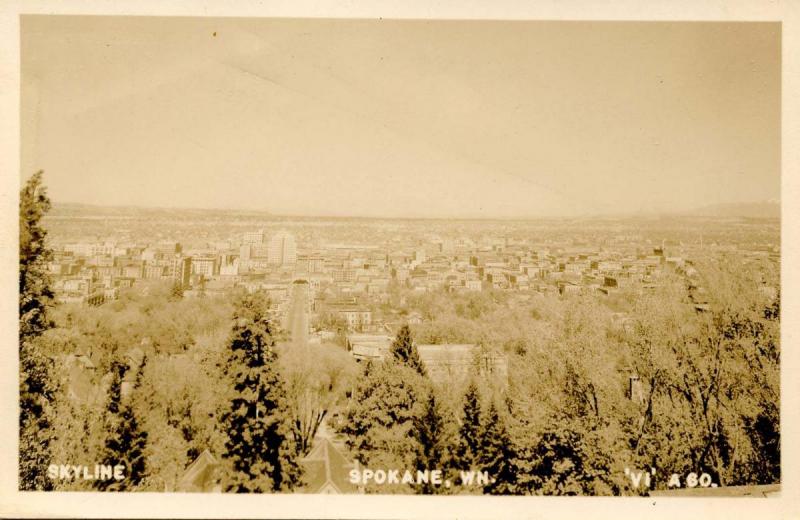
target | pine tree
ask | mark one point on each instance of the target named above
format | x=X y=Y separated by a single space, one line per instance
x=176 y=291
x=470 y=430
x=36 y=385
x=260 y=449
x=35 y=295
x=126 y=442
x=404 y=351
x=429 y=431
x=496 y=455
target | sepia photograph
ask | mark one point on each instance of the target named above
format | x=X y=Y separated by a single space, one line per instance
x=385 y=256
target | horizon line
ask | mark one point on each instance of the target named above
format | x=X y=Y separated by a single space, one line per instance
x=629 y=214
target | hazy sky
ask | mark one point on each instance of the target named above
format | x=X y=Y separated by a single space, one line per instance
x=401 y=118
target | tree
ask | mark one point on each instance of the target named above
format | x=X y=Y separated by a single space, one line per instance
x=380 y=422
x=404 y=350
x=179 y=414
x=711 y=379
x=567 y=460
x=260 y=450
x=176 y=291
x=80 y=436
x=430 y=432
x=35 y=295
x=470 y=430
x=359 y=417
x=126 y=442
x=496 y=455
x=317 y=378
x=36 y=386
x=709 y=387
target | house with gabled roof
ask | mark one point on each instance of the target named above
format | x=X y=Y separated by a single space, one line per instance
x=327 y=469
x=200 y=475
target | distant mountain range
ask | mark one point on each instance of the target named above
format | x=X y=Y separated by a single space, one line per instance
x=71 y=209
x=765 y=209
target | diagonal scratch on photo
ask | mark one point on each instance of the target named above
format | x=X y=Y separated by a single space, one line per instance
x=285 y=255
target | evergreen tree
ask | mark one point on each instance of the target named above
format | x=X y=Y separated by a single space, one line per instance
x=404 y=351
x=497 y=455
x=385 y=406
x=36 y=385
x=570 y=457
x=176 y=291
x=429 y=431
x=470 y=430
x=260 y=448
x=126 y=442
x=35 y=295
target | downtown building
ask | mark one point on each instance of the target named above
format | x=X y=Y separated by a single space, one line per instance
x=282 y=249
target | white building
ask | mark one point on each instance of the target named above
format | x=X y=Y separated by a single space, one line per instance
x=230 y=269
x=282 y=249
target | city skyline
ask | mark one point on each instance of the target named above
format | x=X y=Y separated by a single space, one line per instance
x=402 y=119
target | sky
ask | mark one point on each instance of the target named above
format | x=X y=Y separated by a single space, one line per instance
x=411 y=118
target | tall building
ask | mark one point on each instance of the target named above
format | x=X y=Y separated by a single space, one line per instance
x=205 y=265
x=282 y=249
x=229 y=267
x=254 y=237
x=259 y=250
x=181 y=269
x=447 y=247
x=245 y=252
x=316 y=264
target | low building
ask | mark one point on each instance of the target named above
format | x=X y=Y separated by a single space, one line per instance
x=368 y=347
x=567 y=287
x=356 y=319
x=154 y=271
x=454 y=362
x=205 y=265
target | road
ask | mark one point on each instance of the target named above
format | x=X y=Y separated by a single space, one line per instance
x=298 y=315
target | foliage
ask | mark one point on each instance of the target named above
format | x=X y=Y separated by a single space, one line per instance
x=380 y=423
x=712 y=381
x=179 y=414
x=468 y=448
x=496 y=455
x=434 y=441
x=317 y=379
x=125 y=442
x=35 y=294
x=176 y=292
x=259 y=451
x=404 y=351
x=36 y=385
x=567 y=460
